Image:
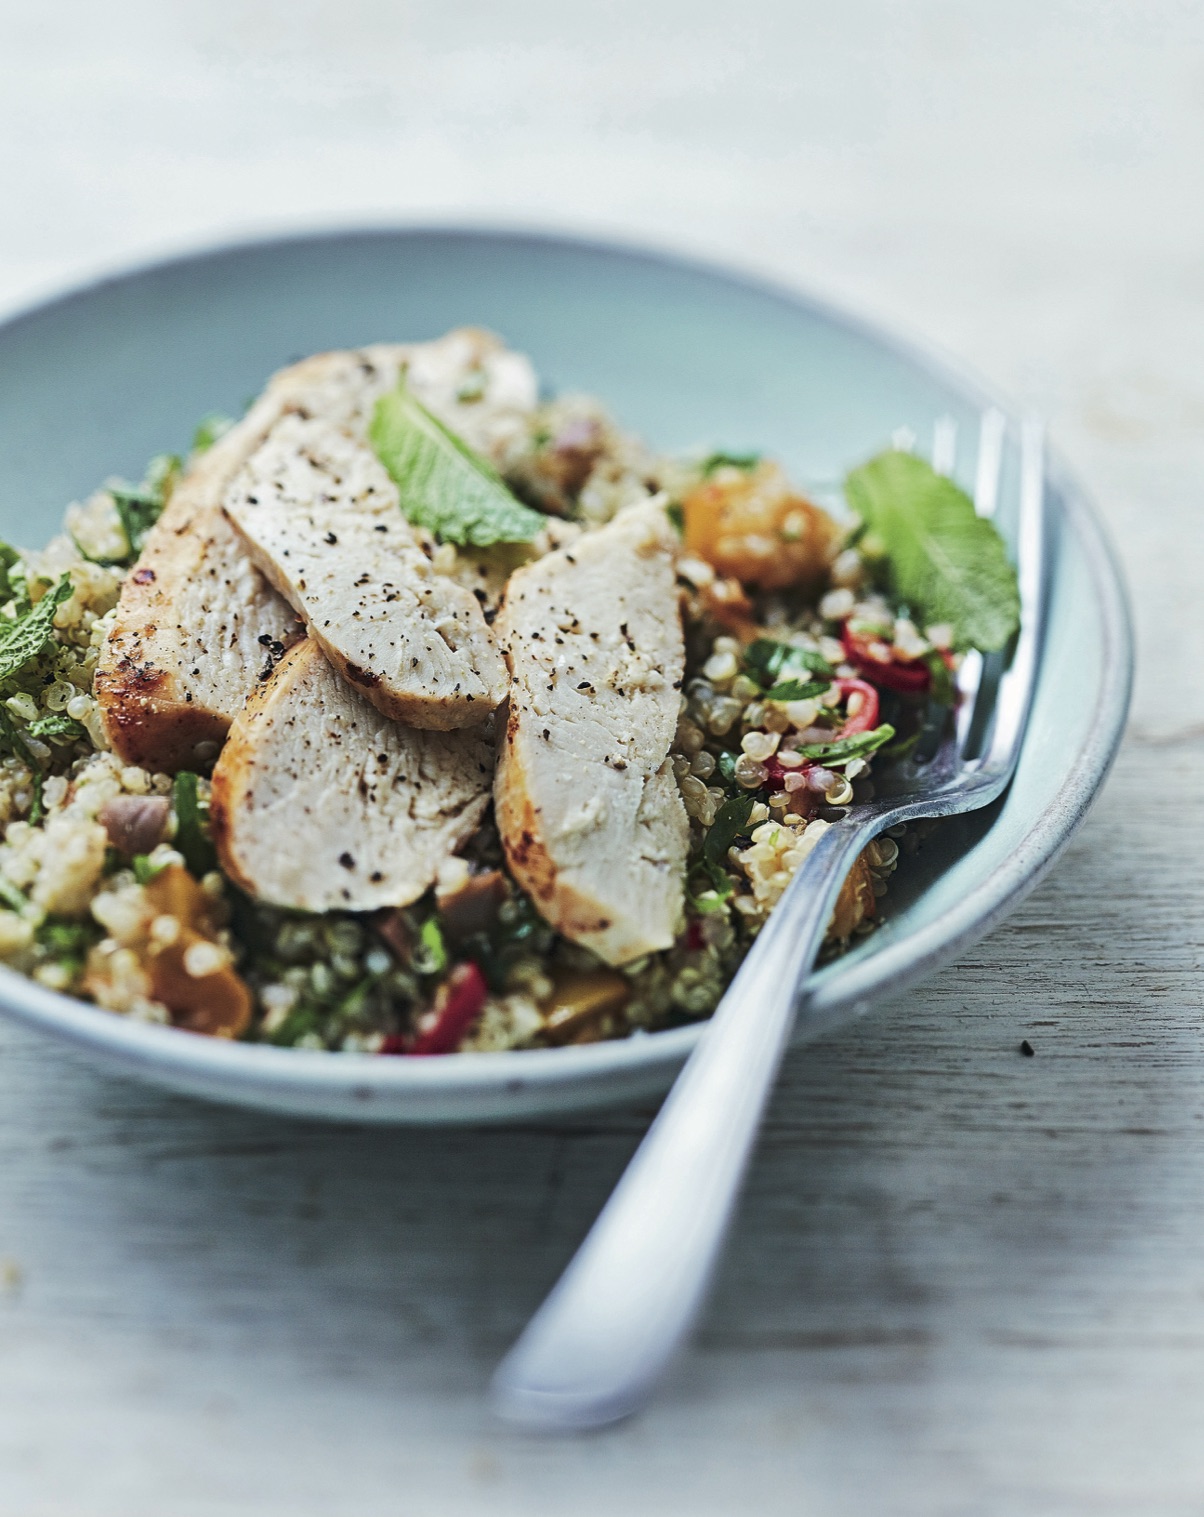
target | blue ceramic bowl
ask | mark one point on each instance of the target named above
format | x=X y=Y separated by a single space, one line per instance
x=94 y=383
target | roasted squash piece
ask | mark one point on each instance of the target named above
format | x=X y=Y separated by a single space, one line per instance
x=748 y=524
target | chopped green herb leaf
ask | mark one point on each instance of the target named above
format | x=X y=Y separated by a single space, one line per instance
x=444 y=486
x=191 y=839
x=25 y=637
x=209 y=429
x=796 y=690
x=13 y=898
x=12 y=740
x=677 y=517
x=946 y=562
x=144 y=870
x=726 y=764
x=709 y=902
x=768 y=661
x=37 y=808
x=730 y=821
x=842 y=749
x=140 y=506
x=14 y=584
x=139 y=510
x=729 y=461
x=942 y=689
x=434 y=949
x=67 y=943
x=57 y=724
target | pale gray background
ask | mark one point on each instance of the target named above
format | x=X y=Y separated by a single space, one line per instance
x=962 y=1281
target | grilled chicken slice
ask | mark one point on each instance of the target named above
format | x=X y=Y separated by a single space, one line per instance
x=589 y=812
x=197 y=625
x=321 y=803
x=322 y=521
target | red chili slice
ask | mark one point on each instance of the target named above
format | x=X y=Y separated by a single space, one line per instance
x=459 y=1002
x=903 y=676
x=867 y=714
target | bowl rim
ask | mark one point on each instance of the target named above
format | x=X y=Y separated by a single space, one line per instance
x=149 y=1048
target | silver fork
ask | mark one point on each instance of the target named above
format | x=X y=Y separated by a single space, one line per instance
x=599 y=1343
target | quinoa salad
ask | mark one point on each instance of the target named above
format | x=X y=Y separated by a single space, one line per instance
x=419 y=712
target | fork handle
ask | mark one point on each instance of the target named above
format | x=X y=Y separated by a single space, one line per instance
x=600 y=1341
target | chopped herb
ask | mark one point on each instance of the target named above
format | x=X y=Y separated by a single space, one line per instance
x=140 y=506
x=726 y=764
x=444 y=485
x=840 y=751
x=677 y=517
x=303 y=1019
x=67 y=943
x=708 y=902
x=191 y=839
x=730 y=821
x=942 y=689
x=14 y=583
x=144 y=870
x=13 y=898
x=209 y=429
x=37 y=809
x=12 y=740
x=949 y=564
x=57 y=724
x=26 y=636
x=139 y=510
x=796 y=690
x=768 y=661
x=434 y=954
x=729 y=461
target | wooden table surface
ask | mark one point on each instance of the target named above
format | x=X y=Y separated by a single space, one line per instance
x=962 y=1281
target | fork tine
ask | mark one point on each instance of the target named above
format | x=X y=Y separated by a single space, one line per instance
x=944 y=445
x=991 y=432
x=1018 y=682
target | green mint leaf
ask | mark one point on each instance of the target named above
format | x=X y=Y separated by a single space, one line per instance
x=12 y=898
x=842 y=749
x=729 y=461
x=709 y=902
x=139 y=510
x=209 y=429
x=144 y=870
x=796 y=690
x=435 y=950
x=67 y=942
x=444 y=486
x=140 y=506
x=12 y=739
x=57 y=724
x=37 y=807
x=945 y=561
x=677 y=517
x=768 y=662
x=191 y=839
x=942 y=690
x=14 y=584
x=26 y=636
x=730 y=821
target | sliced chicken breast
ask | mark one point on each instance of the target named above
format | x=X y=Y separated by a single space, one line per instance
x=321 y=518
x=590 y=814
x=321 y=803
x=196 y=624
